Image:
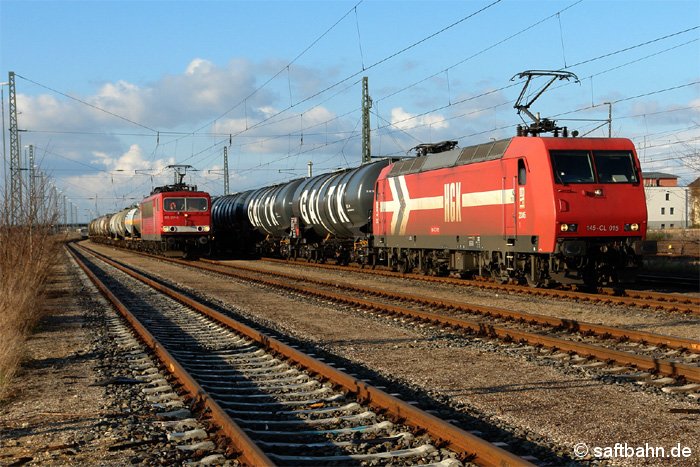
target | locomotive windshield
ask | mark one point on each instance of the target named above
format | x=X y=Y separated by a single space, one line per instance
x=572 y=167
x=578 y=167
x=615 y=167
x=185 y=204
x=196 y=204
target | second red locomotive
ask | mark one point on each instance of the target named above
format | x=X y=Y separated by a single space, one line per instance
x=174 y=220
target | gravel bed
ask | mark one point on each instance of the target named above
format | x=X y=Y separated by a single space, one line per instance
x=188 y=332
x=82 y=396
x=656 y=321
x=540 y=403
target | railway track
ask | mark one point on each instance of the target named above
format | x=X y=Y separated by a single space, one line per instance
x=640 y=299
x=276 y=404
x=505 y=315
x=628 y=349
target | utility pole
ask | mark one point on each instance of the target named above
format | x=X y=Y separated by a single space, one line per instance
x=609 y=104
x=15 y=158
x=366 y=105
x=226 y=186
x=32 y=188
x=4 y=148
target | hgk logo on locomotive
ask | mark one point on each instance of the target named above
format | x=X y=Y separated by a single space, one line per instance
x=453 y=202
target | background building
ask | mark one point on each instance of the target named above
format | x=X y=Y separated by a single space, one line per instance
x=667 y=203
x=694 y=203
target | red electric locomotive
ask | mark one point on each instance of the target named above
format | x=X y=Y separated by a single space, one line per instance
x=533 y=209
x=176 y=220
x=529 y=209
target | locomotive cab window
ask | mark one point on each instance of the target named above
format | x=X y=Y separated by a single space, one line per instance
x=196 y=204
x=174 y=204
x=572 y=167
x=615 y=167
x=522 y=172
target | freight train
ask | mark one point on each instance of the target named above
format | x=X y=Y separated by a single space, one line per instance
x=174 y=220
x=530 y=209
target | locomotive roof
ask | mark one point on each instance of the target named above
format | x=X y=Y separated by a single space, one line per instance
x=175 y=187
x=460 y=156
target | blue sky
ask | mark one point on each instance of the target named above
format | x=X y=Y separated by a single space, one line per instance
x=174 y=79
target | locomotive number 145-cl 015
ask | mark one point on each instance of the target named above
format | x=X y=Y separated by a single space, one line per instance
x=531 y=208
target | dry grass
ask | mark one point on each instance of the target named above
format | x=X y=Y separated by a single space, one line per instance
x=28 y=248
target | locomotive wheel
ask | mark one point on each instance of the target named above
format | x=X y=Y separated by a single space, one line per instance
x=427 y=267
x=536 y=283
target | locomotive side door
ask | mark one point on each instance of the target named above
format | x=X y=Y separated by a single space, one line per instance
x=509 y=194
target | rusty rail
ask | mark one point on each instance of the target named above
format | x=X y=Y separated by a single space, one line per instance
x=469 y=446
x=563 y=323
x=650 y=300
x=250 y=452
x=689 y=372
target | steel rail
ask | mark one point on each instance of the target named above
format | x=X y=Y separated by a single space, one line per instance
x=250 y=453
x=653 y=300
x=471 y=447
x=689 y=372
x=568 y=324
x=562 y=323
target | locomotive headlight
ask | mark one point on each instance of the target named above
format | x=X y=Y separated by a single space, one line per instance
x=173 y=229
x=598 y=192
x=206 y=228
x=631 y=227
x=568 y=227
x=564 y=227
x=164 y=228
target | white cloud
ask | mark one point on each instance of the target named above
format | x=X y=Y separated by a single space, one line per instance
x=405 y=120
x=199 y=65
x=118 y=185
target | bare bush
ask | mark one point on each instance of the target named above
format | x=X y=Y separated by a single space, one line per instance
x=28 y=248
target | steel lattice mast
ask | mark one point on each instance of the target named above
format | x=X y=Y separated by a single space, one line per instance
x=15 y=161
x=226 y=185
x=366 y=105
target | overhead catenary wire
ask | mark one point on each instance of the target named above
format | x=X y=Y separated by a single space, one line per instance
x=201 y=155
x=510 y=37
x=389 y=57
x=286 y=67
x=121 y=117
